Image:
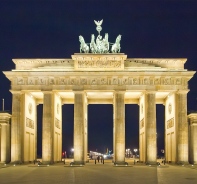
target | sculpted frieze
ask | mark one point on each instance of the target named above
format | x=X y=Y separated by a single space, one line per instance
x=62 y=81
x=103 y=81
x=170 y=123
x=93 y=81
x=178 y=81
x=100 y=81
x=51 y=81
x=57 y=123
x=84 y=81
x=142 y=123
x=72 y=81
x=29 y=123
x=115 y=81
x=146 y=81
x=20 y=81
x=157 y=81
x=166 y=81
x=98 y=64
x=31 y=81
x=42 y=81
x=125 y=81
x=135 y=81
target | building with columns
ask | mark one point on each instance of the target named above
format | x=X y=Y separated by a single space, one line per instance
x=5 y=118
x=109 y=78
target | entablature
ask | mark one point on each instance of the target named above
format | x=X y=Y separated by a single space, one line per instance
x=99 y=62
x=71 y=80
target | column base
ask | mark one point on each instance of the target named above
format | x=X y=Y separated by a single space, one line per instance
x=182 y=163
x=46 y=163
x=3 y=162
x=77 y=163
x=121 y=163
x=152 y=163
x=194 y=163
x=16 y=162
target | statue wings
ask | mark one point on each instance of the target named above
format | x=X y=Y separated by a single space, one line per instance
x=98 y=23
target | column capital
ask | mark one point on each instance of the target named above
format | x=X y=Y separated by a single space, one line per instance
x=192 y=118
x=47 y=92
x=120 y=91
x=149 y=92
x=182 y=91
x=16 y=92
x=79 y=92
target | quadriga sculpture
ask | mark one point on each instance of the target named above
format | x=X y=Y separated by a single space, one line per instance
x=83 y=46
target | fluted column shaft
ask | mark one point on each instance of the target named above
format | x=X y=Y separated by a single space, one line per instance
x=192 y=138
x=79 y=121
x=16 y=128
x=151 y=137
x=182 y=127
x=47 y=128
x=5 y=143
x=119 y=128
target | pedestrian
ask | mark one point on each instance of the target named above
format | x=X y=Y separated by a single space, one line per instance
x=101 y=159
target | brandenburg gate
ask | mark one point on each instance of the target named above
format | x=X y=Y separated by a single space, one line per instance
x=97 y=76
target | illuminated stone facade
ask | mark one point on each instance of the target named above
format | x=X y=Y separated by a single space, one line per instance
x=5 y=137
x=98 y=79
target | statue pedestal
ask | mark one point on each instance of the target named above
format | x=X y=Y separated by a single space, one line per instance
x=99 y=62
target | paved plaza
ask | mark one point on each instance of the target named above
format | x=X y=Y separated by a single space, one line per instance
x=93 y=173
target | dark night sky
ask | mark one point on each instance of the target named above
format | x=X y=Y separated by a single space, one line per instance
x=50 y=29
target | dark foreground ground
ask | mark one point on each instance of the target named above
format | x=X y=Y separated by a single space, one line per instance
x=93 y=173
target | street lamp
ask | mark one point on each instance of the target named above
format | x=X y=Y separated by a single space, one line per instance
x=135 y=150
x=72 y=151
x=127 y=153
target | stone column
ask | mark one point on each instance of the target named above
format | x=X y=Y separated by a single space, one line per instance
x=85 y=129
x=79 y=121
x=150 y=120
x=193 y=138
x=182 y=127
x=119 y=128
x=48 y=128
x=16 y=128
x=5 y=137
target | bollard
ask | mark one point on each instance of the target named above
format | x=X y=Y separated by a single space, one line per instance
x=95 y=161
x=103 y=161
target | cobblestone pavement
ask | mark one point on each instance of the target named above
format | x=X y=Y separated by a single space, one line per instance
x=93 y=173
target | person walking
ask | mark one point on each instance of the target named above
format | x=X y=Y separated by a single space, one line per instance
x=101 y=159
